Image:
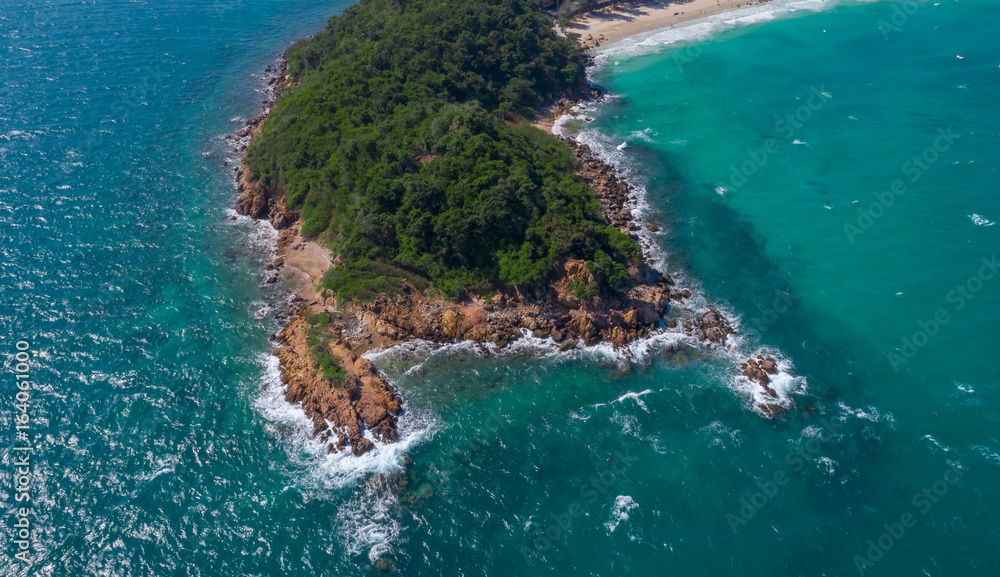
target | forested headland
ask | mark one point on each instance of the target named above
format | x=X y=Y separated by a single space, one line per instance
x=404 y=146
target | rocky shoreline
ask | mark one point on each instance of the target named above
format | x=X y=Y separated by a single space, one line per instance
x=355 y=408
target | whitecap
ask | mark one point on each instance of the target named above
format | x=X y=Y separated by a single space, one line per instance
x=937 y=444
x=987 y=453
x=637 y=397
x=980 y=220
x=721 y=435
x=624 y=504
x=869 y=413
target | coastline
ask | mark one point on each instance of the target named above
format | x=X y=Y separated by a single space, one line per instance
x=613 y=24
x=353 y=407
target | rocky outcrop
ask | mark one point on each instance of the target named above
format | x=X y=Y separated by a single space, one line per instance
x=611 y=191
x=557 y=314
x=759 y=370
x=341 y=410
x=257 y=200
x=711 y=328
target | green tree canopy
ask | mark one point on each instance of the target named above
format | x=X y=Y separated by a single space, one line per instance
x=400 y=146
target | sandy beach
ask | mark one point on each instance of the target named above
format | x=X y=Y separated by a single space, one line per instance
x=304 y=261
x=612 y=24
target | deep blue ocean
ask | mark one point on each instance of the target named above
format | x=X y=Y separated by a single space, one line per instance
x=826 y=174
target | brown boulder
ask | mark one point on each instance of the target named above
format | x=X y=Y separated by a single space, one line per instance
x=711 y=327
x=646 y=314
x=450 y=320
x=619 y=338
x=360 y=446
x=252 y=203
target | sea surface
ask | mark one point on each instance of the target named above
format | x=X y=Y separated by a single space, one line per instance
x=826 y=174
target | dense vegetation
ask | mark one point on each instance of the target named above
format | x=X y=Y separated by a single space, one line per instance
x=403 y=148
x=329 y=367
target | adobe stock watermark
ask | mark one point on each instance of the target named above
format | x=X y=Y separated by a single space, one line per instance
x=958 y=297
x=915 y=168
x=21 y=452
x=769 y=487
x=589 y=493
x=922 y=503
x=901 y=12
x=781 y=304
x=786 y=128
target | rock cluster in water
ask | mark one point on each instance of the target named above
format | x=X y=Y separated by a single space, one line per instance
x=711 y=328
x=759 y=370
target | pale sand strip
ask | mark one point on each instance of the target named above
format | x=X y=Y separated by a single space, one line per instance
x=623 y=21
x=305 y=261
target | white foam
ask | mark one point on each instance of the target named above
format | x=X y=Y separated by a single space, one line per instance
x=987 y=453
x=980 y=220
x=409 y=357
x=322 y=471
x=702 y=29
x=613 y=153
x=785 y=383
x=637 y=397
x=366 y=523
x=868 y=413
x=937 y=444
x=605 y=146
x=624 y=504
x=721 y=435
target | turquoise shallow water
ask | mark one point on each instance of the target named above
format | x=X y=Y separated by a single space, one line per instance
x=162 y=446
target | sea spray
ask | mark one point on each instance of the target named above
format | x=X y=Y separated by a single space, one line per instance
x=602 y=144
